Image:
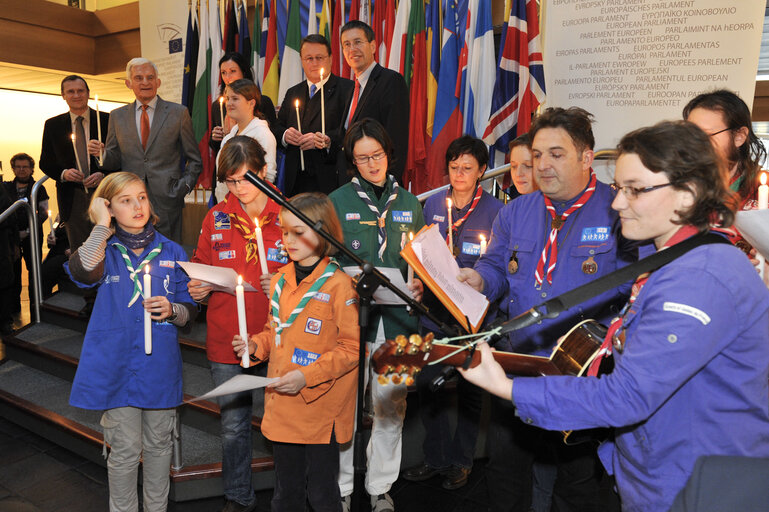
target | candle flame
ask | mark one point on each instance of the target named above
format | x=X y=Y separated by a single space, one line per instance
x=411 y=235
x=147 y=268
x=221 y=99
x=96 y=98
x=763 y=178
x=72 y=136
x=448 y=202
x=321 y=73
x=483 y=238
x=240 y=280
x=49 y=213
x=296 y=103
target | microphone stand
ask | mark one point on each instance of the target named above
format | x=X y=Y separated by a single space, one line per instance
x=365 y=284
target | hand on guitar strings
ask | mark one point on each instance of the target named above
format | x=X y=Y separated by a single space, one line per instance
x=489 y=375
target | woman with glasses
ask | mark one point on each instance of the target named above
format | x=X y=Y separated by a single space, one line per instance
x=472 y=212
x=691 y=359
x=377 y=215
x=243 y=98
x=227 y=239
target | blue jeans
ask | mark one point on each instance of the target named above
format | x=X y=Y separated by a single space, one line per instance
x=237 y=409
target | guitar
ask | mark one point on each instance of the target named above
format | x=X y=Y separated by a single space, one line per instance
x=400 y=360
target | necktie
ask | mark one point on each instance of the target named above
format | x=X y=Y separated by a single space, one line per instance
x=82 y=152
x=354 y=103
x=145 y=124
x=313 y=90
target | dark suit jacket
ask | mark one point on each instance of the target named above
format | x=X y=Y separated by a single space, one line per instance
x=320 y=164
x=57 y=154
x=386 y=99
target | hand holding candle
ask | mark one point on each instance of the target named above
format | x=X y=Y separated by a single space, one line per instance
x=299 y=127
x=260 y=246
x=322 y=106
x=147 y=289
x=242 y=329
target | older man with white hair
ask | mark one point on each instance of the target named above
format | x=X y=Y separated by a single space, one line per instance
x=154 y=139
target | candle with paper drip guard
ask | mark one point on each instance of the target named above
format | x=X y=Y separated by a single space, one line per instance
x=221 y=109
x=483 y=245
x=98 y=128
x=50 y=223
x=410 y=269
x=240 y=298
x=322 y=106
x=260 y=246
x=448 y=228
x=299 y=127
x=147 y=289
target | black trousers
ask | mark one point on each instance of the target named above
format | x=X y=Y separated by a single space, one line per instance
x=582 y=484
x=306 y=473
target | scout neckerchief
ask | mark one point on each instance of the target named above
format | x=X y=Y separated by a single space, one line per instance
x=555 y=226
x=244 y=227
x=133 y=274
x=381 y=233
x=331 y=267
x=455 y=226
x=611 y=338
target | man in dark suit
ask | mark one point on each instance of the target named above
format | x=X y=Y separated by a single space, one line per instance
x=151 y=137
x=320 y=149
x=58 y=161
x=379 y=93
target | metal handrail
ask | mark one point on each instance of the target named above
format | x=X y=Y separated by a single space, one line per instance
x=37 y=253
x=35 y=291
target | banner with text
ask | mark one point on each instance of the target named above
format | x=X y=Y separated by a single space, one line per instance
x=633 y=63
x=163 y=27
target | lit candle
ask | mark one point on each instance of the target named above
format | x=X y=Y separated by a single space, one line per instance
x=299 y=127
x=448 y=228
x=260 y=246
x=147 y=319
x=240 y=298
x=410 y=269
x=98 y=128
x=483 y=245
x=221 y=109
x=322 y=106
x=763 y=193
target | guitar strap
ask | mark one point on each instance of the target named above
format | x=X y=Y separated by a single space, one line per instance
x=555 y=306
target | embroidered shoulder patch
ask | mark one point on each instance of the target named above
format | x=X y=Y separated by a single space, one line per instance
x=227 y=255
x=685 y=309
x=322 y=297
x=352 y=216
x=471 y=248
x=439 y=218
x=303 y=357
x=403 y=216
x=313 y=326
x=166 y=263
x=350 y=302
x=216 y=236
x=221 y=220
x=596 y=234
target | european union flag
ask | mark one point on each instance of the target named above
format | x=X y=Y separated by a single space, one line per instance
x=175 y=45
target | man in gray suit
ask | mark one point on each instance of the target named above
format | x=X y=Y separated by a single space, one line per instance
x=153 y=138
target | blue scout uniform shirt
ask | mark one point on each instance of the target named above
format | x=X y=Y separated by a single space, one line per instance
x=589 y=239
x=113 y=370
x=691 y=380
x=468 y=234
x=360 y=235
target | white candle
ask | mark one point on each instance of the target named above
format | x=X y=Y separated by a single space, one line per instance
x=448 y=218
x=77 y=160
x=221 y=109
x=763 y=193
x=147 y=319
x=299 y=127
x=410 y=269
x=483 y=245
x=98 y=128
x=260 y=246
x=242 y=329
x=322 y=106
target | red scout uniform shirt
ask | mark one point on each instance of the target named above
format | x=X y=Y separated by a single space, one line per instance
x=322 y=343
x=222 y=245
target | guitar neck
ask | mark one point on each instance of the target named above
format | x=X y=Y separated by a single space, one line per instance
x=516 y=364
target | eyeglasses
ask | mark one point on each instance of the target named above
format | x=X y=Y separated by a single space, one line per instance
x=719 y=131
x=349 y=45
x=634 y=192
x=363 y=160
x=317 y=58
x=235 y=183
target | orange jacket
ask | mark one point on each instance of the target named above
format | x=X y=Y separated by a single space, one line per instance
x=328 y=327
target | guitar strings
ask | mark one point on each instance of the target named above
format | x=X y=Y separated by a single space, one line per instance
x=481 y=337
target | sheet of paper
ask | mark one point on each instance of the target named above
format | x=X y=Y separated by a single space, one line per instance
x=432 y=251
x=236 y=384
x=382 y=295
x=223 y=279
x=754 y=227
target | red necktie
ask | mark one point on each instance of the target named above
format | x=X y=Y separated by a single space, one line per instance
x=354 y=103
x=145 y=125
